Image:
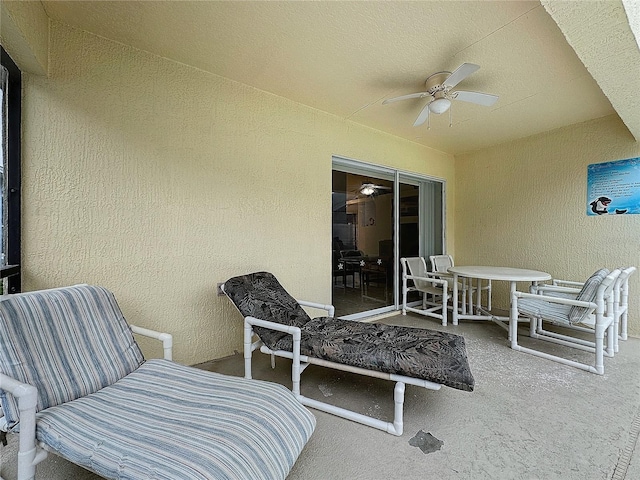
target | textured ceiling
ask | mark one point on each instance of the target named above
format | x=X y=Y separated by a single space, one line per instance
x=345 y=58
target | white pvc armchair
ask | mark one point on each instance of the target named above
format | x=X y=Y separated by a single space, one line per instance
x=570 y=289
x=435 y=295
x=591 y=310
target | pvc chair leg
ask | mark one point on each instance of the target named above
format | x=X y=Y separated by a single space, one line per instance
x=533 y=327
x=248 y=336
x=599 y=352
x=623 y=325
x=404 y=296
x=445 y=301
x=398 y=398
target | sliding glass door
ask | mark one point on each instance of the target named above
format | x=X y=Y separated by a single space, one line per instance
x=379 y=215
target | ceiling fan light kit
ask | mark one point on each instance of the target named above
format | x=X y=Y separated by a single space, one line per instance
x=439 y=87
x=439 y=105
x=367 y=189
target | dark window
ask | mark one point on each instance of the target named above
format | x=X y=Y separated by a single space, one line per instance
x=10 y=95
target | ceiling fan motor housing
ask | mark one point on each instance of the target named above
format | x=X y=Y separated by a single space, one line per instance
x=435 y=83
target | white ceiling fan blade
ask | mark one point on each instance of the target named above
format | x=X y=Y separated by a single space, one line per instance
x=424 y=114
x=480 y=98
x=406 y=97
x=460 y=73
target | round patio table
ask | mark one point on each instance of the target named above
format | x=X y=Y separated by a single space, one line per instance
x=507 y=274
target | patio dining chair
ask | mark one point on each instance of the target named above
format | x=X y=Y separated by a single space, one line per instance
x=590 y=311
x=434 y=290
x=73 y=381
x=440 y=264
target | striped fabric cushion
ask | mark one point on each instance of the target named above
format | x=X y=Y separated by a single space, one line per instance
x=67 y=342
x=554 y=312
x=167 y=421
x=587 y=294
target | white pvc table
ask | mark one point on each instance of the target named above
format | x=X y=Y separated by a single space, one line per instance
x=507 y=274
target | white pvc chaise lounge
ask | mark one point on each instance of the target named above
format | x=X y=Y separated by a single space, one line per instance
x=73 y=381
x=413 y=356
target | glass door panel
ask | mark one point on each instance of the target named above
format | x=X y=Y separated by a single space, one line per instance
x=363 y=243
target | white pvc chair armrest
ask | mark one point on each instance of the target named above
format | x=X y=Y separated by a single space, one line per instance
x=26 y=394
x=28 y=454
x=545 y=298
x=330 y=309
x=273 y=326
x=568 y=283
x=440 y=274
x=431 y=278
x=295 y=332
x=556 y=288
x=165 y=338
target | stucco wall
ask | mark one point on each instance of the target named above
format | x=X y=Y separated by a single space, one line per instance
x=523 y=204
x=158 y=180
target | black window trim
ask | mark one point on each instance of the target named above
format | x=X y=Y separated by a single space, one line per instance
x=12 y=270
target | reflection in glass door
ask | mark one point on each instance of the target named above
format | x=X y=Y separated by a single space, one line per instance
x=409 y=232
x=379 y=216
x=363 y=254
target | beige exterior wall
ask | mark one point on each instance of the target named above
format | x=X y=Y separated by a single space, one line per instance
x=523 y=204
x=157 y=180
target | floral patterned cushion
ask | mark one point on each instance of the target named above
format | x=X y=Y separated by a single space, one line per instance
x=260 y=295
x=439 y=357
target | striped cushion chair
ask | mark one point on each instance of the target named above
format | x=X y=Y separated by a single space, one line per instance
x=73 y=377
x=590 y=310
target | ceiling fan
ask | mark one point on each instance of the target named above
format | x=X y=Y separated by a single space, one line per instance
x=439 y=88
x=366 y=192
x=369 y=189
